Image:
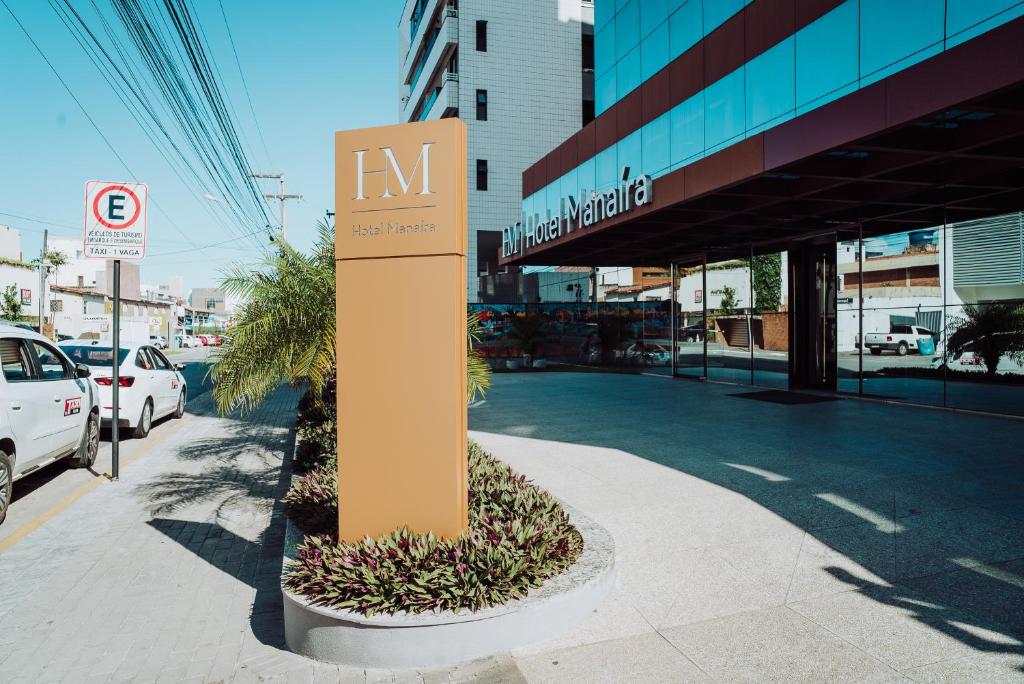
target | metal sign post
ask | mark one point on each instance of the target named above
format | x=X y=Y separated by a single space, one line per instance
x=115 y=228
x=115 y=380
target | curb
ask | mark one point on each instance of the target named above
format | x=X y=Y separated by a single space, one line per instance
x=441 y=639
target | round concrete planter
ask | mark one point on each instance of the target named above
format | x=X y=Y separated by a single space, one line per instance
x=431 y=640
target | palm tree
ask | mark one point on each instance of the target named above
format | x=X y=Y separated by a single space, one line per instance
x=528 y=332
x=991 y=331
x=478 y=373
x=285 y=330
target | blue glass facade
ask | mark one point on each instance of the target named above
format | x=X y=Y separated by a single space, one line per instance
x=637 y=38
x=857 y=43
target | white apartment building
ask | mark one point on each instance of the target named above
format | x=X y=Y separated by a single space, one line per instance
x=520 y=74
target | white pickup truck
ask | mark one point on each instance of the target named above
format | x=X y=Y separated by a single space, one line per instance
x=900 y=339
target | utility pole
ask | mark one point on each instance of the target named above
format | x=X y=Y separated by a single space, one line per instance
x=42 y=280
x=281 y=196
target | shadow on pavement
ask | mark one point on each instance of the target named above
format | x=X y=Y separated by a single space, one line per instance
x=928 y=503
x=239 y=475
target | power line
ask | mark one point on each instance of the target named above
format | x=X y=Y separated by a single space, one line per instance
x=245 y=86
x=86 y=113
x=80 y=31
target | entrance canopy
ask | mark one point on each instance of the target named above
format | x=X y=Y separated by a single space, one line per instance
x=940 y=142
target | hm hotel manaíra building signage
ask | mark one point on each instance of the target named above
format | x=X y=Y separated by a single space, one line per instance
x=400 y=248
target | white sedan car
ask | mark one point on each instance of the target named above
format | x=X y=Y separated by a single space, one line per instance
x=149 y=386
x=49 y=409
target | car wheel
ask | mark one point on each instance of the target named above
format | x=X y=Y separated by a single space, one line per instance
x=145 y=421
x=179 y=410
x=85 y=457
x=901 y=349
x=6 y=482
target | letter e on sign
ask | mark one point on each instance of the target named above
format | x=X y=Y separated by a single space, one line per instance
x=115 y=220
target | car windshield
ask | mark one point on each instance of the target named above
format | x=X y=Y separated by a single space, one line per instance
x=94 y=356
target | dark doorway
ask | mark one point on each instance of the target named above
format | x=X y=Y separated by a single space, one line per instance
x=812 y=281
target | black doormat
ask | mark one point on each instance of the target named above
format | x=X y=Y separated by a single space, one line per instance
x=783 y=397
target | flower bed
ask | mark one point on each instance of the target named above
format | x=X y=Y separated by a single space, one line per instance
x=518 y=537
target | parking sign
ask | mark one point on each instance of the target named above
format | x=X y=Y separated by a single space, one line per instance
x=115 y=220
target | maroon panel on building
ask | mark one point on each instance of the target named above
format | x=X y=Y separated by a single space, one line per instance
x=569 y=157
x=530 y=182
x=686 y=74
x=657 y=92
x=630 y=113
x=766 y=23
x=809 y=10
x=849 y=118
x=552 y=166
x=957 y=74
x=670 y=189
x=606 y=134
x=725 y=167
x=723 y=49
x=586 y=141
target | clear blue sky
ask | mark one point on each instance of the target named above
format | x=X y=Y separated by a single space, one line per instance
x=312 y=67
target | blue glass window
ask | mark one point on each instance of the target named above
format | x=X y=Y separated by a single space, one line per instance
x=770 y=84
x=604 y=49
x=687 y=135
x=604 y=92
x=717 y=11
x=895 y=31
x=627 y=28
x=724 y=109
x=568 y=184
x=628 y=73
x=826 y=53
x=553 y=192
x=656 y=149
x=652 y=14
x=604 y=10
x=970 y=18
x=585 y=176
x=654 y=52
x=685 y=28
x=630 y=153
x=604 y=172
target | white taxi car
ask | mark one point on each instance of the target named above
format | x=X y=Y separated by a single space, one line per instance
x=149 y=386
x=50 y=409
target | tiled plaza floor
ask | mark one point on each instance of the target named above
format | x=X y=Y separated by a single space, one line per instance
x=833 y=541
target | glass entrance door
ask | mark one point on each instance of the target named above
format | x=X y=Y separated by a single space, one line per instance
x=813 y=281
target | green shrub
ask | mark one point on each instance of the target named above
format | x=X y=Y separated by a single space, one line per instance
x=317 y=444
x=316 y=429
x=518 y=536
x=312 y=502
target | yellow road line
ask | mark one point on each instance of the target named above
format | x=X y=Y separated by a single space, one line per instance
x=35 y=523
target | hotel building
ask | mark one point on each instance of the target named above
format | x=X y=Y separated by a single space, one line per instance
x=821 y=173
x=520 y=75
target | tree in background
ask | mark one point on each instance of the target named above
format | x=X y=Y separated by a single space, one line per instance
x=991 y=331
x=285 y=329
x=53 y=260
x=766 y=278
x=10 y=304
x=727 y=307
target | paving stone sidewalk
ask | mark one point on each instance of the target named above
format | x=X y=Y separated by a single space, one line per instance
x=172 y=574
